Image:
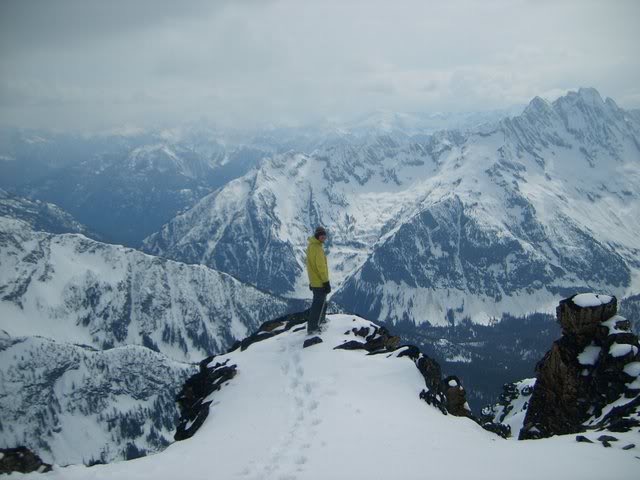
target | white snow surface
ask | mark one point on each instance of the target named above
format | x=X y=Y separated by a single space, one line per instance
x=632 y=369
x=591 y=299
x=589 y=355
x=621 y=349
x=611 y=324
x=319 y=413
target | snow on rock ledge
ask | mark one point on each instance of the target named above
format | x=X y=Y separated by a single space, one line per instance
x=591 y=300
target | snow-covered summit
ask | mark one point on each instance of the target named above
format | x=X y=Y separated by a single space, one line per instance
x=320 y=412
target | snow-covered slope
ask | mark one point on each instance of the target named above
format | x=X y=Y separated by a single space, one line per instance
x=39 y=215
x=74 y=404
x=72 y=289
x=318 y=413
x=502 y=219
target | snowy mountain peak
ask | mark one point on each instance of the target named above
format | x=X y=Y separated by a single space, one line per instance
x=590 y=96
x=537 y=105
x=584 y=102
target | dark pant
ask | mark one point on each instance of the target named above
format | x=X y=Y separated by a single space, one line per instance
x=318 y=310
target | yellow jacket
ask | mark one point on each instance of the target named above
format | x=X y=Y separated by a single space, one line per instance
x=316 y=263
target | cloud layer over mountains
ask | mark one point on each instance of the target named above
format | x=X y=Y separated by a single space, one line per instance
x=94 y=65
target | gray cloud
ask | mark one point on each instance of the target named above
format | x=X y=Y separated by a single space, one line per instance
x=89 y=64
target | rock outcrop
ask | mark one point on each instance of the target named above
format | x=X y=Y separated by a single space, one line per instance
x=456 y=397
x=589 y=378
x=21 y=460
x=506 y=416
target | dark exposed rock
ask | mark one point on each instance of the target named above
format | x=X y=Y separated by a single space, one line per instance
x=272 y=328
x=584 y=372
x=351 y=345
x=361 y=332
x=606 y=444
x=428 y=367
x=629 y=447
x=607 y=438
x=309 y=342
x=191 y=399
x=583 y=439
x=22 y=460
x=378 y=341
x=498 y=428
x=581 y=323
x=456 y=397
x=434 y=398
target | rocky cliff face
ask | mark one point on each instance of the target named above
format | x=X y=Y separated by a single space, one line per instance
x=589 y=378
x=588 y=382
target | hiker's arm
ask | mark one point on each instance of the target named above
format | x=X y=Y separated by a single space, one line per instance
x=321 y=266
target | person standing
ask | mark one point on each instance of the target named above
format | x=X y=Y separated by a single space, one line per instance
x=318 y=273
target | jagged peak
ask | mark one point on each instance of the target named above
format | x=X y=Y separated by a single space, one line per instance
x=610 y=102
x=537 y=105
x=588 y=96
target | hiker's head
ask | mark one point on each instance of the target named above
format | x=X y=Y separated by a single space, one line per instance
x=320 y=234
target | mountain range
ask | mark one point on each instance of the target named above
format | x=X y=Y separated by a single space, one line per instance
x=507 y=217
x=452 y=237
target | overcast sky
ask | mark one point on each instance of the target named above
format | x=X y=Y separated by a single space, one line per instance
x=93 y=65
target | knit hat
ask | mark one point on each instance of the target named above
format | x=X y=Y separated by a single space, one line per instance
x=319 y=231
